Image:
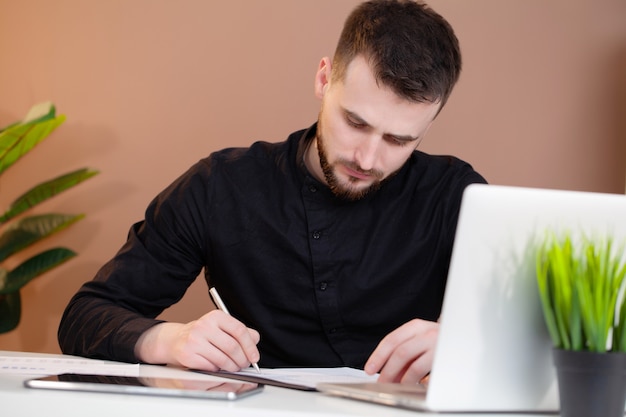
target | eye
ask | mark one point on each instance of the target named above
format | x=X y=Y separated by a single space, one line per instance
x=355 y=124
x=397 y=141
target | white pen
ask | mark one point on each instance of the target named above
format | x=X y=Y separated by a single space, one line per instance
x=220 y=305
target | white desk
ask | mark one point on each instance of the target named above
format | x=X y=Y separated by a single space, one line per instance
x=17 y=401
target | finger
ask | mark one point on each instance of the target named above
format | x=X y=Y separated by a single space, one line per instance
x=385 y=350
x=207 y=358
x=409 y=361
x=417 y=370
x=238 y=342
x=378 y=358
x=227 y=354
x=256 y=337
x=193 y=349
x=400 y=360
x=253 y=353
x=245 y=337
x=210 y=343
x=215 y=350
x=399 y=354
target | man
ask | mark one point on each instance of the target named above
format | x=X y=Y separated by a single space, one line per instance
x=329 y=249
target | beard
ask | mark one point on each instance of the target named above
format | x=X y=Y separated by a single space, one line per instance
x=345 y=190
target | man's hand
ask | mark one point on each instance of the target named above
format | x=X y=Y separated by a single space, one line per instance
x=405 y=354
x=215 y=341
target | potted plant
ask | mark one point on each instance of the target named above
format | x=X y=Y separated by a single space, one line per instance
x=581 y=285
x=19 y=231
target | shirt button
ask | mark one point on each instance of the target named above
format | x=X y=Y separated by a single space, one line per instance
x=317 y=234
x=333 y=330
x=312 y=188
x=323 y=286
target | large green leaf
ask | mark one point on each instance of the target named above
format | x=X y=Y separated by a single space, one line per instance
x=18 y=139
x=46 y=190
x=10 y=311
x=37 y=114
x=12 y=281
x=579 y=287
x=29 y=230
x=546 y=293
x=620 y=333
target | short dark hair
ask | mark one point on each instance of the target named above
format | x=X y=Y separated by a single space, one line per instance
x=410 y=48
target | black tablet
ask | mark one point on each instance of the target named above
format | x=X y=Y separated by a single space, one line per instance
x=171 y=387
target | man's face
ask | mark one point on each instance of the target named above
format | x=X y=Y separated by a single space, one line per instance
x=365 y=131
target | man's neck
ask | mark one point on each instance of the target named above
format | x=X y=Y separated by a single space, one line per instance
x=311 y=161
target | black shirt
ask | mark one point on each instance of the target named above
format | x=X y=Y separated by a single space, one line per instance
x=323 y=280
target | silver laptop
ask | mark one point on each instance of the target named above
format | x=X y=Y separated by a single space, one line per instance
x=493 y=352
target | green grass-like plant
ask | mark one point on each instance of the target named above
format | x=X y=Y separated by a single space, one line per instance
x=18 y=231
x=579 y=285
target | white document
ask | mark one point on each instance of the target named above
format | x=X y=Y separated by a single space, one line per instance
x=299 y=378
x=55 y=365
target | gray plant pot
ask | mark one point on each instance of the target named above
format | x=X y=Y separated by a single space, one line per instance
x=590 y=383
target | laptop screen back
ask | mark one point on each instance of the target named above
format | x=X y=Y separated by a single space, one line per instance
x=493 y=352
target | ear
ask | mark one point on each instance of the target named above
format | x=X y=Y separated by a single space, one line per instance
x=322 y=77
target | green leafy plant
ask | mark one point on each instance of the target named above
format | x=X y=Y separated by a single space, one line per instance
x=580 y=286
x=19 y=231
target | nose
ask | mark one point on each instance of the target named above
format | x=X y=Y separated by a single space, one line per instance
x=367 y=152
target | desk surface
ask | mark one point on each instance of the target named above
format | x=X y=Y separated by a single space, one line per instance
x=18 y=401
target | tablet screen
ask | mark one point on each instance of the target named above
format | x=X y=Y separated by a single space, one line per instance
x=174 y=387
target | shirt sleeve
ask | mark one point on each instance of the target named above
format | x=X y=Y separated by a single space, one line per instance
x=162 y=256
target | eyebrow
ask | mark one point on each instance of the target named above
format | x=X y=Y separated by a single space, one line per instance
x=360 y=120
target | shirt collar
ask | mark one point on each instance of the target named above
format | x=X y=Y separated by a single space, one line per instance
x=303 y=144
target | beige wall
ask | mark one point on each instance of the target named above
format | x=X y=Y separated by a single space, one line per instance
x=151 y=86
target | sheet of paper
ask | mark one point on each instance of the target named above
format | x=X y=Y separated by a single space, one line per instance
x=302 y=377
x=48 y=365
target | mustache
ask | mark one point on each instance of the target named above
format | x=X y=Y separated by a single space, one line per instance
x=355 y=167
